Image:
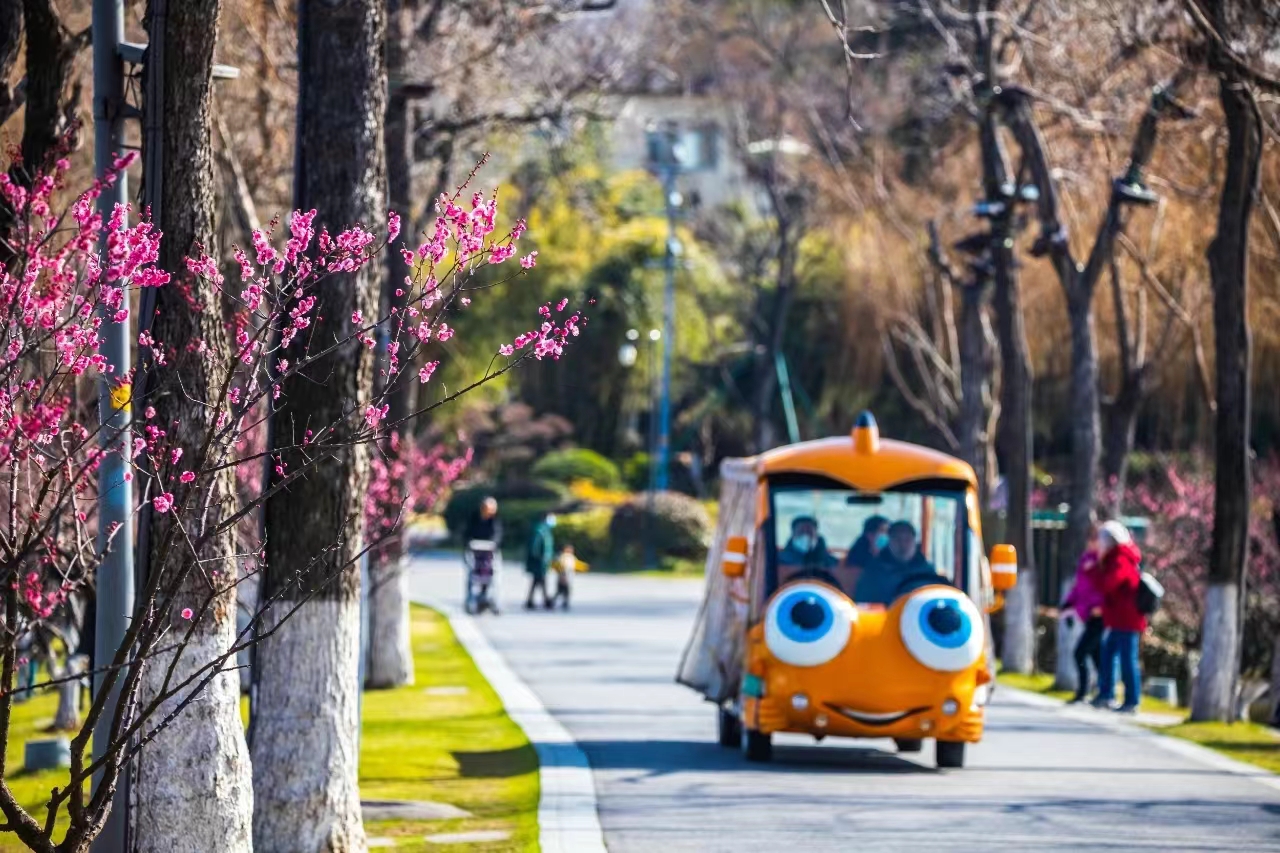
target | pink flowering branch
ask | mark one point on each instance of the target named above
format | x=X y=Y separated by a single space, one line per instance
x=72 y=274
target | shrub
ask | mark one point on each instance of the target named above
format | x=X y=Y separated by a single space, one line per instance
x=587 y=532
x=578 y=463
x=678 y=526
x=590 y=494
x=635 y=472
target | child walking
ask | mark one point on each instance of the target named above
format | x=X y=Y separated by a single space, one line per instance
x=566 y=563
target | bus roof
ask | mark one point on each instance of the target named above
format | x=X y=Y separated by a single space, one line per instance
x=863 y=461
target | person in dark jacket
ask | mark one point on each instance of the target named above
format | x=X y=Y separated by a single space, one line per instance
x=900 y=568
x=1121 y=576
x=866 y=549
x=806 y=547
x=541 y=551
x=485 y=526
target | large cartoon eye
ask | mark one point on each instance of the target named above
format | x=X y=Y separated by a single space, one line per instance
x=808 y=624
x=942 y=629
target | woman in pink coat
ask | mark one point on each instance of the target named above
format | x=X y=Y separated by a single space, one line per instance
x=1085 y=599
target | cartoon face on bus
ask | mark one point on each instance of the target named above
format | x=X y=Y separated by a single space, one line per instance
x=869 y=599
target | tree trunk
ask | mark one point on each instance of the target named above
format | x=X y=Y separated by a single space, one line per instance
x=193 y=788
x=306 y=719
x=1274 y=718
x=1018 y=653
x=1229 y=272
x=50 y=91
x=390 y=656
x=1118 y=437
x=1085 y=429
x=390 y=651
x=67 y=717
x=11 y=97
x=775 y=325
x=52 y=87
x=976 y=367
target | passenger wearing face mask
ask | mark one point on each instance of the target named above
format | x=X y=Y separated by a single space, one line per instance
x=900 y=568
x=806 y=549
x=874 y=539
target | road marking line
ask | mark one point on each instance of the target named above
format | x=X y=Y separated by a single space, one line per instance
x=568 y=816
x=1178 y=746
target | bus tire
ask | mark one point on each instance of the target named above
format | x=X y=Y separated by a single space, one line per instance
x=728 y=727
x=949 y=753
x=908 y=744
x=756 y=746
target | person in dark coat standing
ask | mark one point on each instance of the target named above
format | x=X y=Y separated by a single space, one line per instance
x=1121 y=576
x=542 y=550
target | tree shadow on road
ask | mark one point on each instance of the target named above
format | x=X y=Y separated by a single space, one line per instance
x=497 y=763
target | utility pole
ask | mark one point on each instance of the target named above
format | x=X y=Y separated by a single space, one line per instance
x=115 y=579
x=670 y=167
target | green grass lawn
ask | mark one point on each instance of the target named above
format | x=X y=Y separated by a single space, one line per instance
x=31 y=720
x=1042 y=683
x=461 y=749
x=1252 y=743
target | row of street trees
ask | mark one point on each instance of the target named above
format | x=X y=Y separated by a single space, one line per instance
x=1003 y=73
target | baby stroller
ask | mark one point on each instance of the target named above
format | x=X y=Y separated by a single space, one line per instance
x=483 y=562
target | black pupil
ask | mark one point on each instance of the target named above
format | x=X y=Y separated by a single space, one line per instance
x=807 y=613
x=944 y=620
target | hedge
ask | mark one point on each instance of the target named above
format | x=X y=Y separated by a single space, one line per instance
x=578 y=463
x=677 y=526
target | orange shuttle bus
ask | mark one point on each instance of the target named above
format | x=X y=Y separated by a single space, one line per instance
x=848 y=595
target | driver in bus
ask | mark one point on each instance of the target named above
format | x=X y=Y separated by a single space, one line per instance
x=806 y=549
x=900 y=568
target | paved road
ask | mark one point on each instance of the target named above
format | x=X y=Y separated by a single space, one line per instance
x=1043 y=778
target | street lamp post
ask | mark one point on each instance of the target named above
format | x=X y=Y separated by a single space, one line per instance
x=670 y=167
x=115 y=580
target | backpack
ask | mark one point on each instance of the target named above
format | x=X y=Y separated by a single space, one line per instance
x=1149 y=594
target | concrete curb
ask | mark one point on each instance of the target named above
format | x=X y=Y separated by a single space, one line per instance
x=568 y=819
x=1178 y=746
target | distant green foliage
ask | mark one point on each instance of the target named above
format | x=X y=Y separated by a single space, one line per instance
x=678 y=526
x=578 y=463
x=635 y=472
x=588 y=533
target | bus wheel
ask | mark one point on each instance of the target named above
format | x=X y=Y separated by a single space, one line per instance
x=728 y=727
x=908 y=744
x=756 y=746
x=950 y=753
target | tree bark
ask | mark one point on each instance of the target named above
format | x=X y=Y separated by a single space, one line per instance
x=976 y=380
x=11 y=97
x=1229 y=273
x=193 y=788
x=390 y=651
x=390 y=655
x=1018 y=653
x=51 y=88
x=305 y=737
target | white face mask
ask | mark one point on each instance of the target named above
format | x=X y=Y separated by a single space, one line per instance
x=551 y=521
x=804 y=543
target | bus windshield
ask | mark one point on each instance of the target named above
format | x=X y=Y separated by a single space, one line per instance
x=874 y=547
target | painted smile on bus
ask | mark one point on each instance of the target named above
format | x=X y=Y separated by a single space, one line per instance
x=871 y=719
